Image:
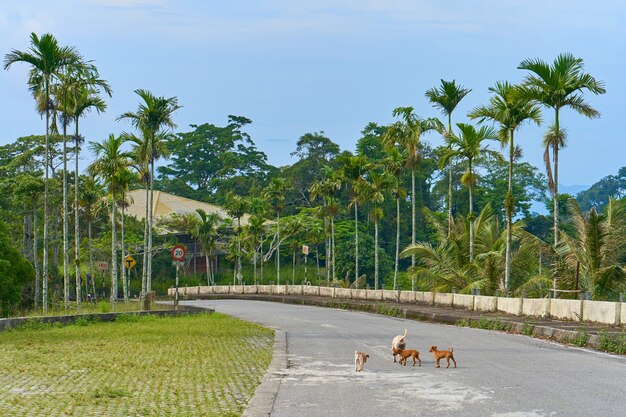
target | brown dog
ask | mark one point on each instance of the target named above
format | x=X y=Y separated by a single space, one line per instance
x=398 y=342
x=359 y=360
x=440 y=354
x=408 y=353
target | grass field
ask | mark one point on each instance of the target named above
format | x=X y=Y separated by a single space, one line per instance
x=195 y=365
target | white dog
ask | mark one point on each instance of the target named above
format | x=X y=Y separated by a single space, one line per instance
x=398 y=342
x=359 y=359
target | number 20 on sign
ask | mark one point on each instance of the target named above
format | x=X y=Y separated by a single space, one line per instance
x=178 y=253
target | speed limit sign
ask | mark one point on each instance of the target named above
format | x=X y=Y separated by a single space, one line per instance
x=178 y=253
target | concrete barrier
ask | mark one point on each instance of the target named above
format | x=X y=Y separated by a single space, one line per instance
x=407 y=297
x=359 y=294
x=376 y=295
x=510 y=305
x=463 y=301
x=390 y=295
x=623 y=314
x=424 y=297
x=326 y=292
x=294 y=289
x=601 y=312
x=237 y=289
x=443 y=299
x=250 y=289
x=485 y=303
x=311 y=290
x=343 y=293
x=536 y=307
x=566 y=309
x=264 y=289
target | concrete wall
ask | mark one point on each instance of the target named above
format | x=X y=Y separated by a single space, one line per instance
x=464 y=301
x=536 y=307
x=443 y=299
x=485 y=303
x=510 y=305
x=601 y=311
x=565 y=309
x=593 y=311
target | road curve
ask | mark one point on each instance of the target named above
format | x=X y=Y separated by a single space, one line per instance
x=498 y=374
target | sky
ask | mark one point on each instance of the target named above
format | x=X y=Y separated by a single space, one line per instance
x=295 y=67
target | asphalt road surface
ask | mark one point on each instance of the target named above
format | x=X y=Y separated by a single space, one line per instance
x=498 y=374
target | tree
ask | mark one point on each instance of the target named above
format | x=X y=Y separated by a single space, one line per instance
x=599 y=194
x=274 y=193
x=125 y=179
x=110 y=161
x=406 y=134
x=354 y=170
x=152 y=117
x=237 y=206
x=558 y=86
x=46 y=59
x=596 y=248
x=15 y=274
x=205 y=231
x=446 y=97
x=510 y=111
x=394 y=166
x=469 y=145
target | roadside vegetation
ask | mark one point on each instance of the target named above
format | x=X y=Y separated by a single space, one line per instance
x=135 y=366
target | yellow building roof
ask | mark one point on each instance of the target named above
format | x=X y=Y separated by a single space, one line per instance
x=165 y=204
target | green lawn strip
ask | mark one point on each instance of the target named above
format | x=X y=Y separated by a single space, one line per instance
x=192 y=365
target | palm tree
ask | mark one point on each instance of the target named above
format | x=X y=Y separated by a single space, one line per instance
x=125 y=178
x=111 y=161
x=46 y=59
x=374 y=190
x=596 y=247
x=558 y=86
x=354 y=169
x=83 y=99
x=237 y=206
x=275 y=194
x=510 y=111
x=406 y=134
x=91 y=194
x=446 y=98
x=153 y=115
x=394 y=165
x=205 y=231
x=469 y=145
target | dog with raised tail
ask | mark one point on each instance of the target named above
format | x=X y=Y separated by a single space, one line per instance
x=359 y=360
x=398 y=343
x=440 y=354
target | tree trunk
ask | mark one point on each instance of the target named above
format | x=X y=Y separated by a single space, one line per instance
x=375 y=253
x=278 y=248
x=450 y=182
x=36 y=259
x=149 y=269
x=144 y=267
x=77 y=223
x=556 y=191
x=395 y=273
x=91 y=268
x=113 y=252
x=239 y=271
x=471 y=215
x=66 y=242
x=45 y=205
x=509 y=217
x=332 y=235
x=293 y=268
x=413 y=221
x=208 y=267
x=123 y=263
x=356 y=246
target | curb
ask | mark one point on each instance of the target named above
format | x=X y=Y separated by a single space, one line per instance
x=262 y=403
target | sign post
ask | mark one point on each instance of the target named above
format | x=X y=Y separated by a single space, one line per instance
x=178 y=255
x=305 y=251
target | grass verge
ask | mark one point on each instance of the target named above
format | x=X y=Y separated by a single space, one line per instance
x=135 y=366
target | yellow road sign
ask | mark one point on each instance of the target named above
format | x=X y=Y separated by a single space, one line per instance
x=129 y=262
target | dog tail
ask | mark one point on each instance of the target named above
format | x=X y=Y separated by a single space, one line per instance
x=356 y=352
x=404 y=334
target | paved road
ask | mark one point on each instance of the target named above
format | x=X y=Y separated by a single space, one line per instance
x=498 y=374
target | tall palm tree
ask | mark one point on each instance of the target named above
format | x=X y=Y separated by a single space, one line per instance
x=406 y=134
x=110 y=161
x=153 y=116
x=469 y=145
x=556 y=86
x=46 y=59
x=507 y=108
x=446 y=97
x=83 y=99
x=275 y=194
x=354 y=169
x=375 y=189
x=91 y=194
x=394 y=165
x=237 y=206
x=205 y=231
x=125 y=178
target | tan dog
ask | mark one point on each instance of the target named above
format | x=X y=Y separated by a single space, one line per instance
x=359 y=360
x=440 y=354
x=398 y=342
x=408 y=353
